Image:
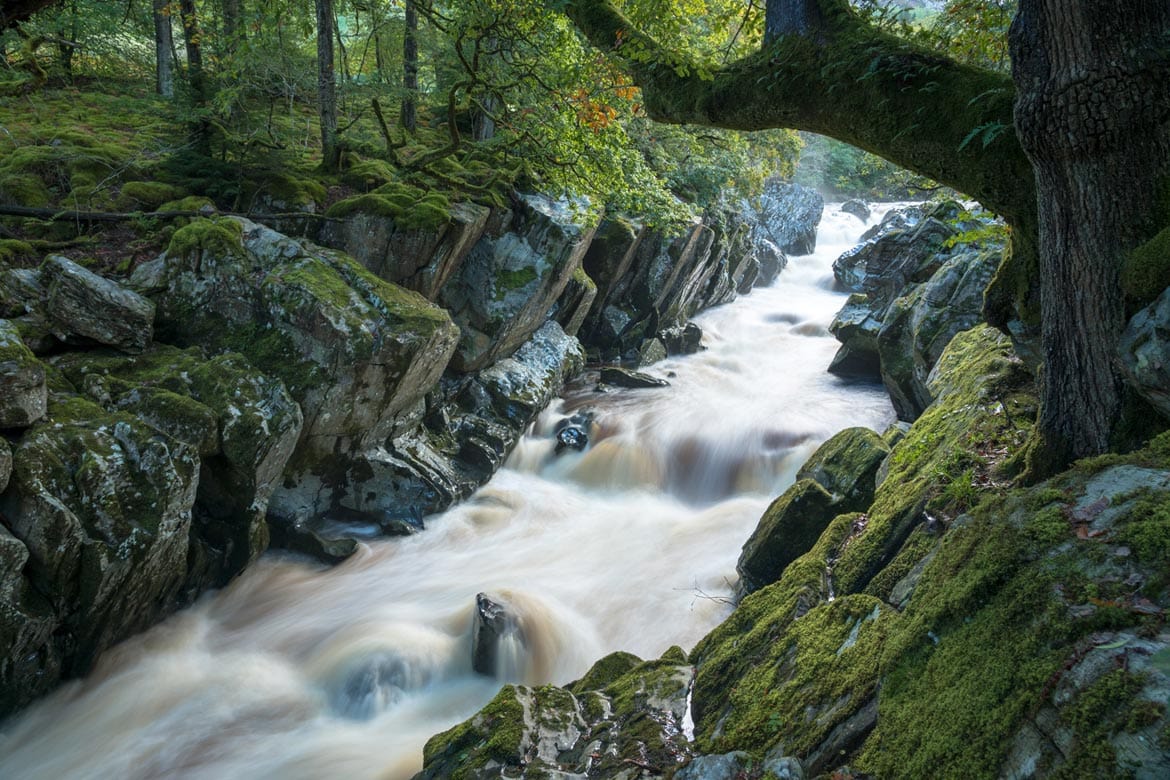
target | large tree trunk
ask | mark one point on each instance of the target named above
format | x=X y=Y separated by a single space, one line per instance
x=196 y=78
x=232 y=29
x=408 y=116
x=164 y=74
x=326 y=88
x=1093 y=115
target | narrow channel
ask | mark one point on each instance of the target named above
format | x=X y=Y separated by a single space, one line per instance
x=298 y=671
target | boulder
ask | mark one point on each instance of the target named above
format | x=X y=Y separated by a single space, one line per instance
x=357 y=353
x=23 y=393
x=771 y=259
x=846 y=466
x=634 y=726
x=509 y=281
x=243 y=425
x=623 y=377
x=682 y=340
x=788 y=529
x=574 y=304
x=789 y=214
x=21 y=291
x=1144 y=353
x=5 y=463
x=82 y=307
x=917 y=327
x=856 y=327
x=418 y=258
x=857 y=208
x=494 y=622
x=884 y=266
x=103 y=505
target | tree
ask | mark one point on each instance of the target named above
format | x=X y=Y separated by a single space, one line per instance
x=1081 y=180
x=164 y=78
x=409 y=68
x=326 y=87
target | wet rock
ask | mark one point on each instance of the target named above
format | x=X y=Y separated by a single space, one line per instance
x=574 y=304
x=684 y=340
x=572 y=437
x=417 y=259
x=652 y=351
x=243 y=425
x=302 y=537
x=23 y=392
x=633 y=727
x=1144 y=353
x=856 y=327
x=857 y=208
x=729 y=766
x=509 y=282
x=883 y=267
x=82 y=307
x=5 y=463
x=103 y=505
x=772 y=261
x=788 y=529
x=622 y=377
x=790 y=213
x=357 y=353
x=494 y=623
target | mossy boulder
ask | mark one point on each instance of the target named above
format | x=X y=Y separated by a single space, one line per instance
x=148 y=195
x=23 y=392
x=357 y=353
x=103 y=505
x=509 y=282
x=573 y=305
x=846 y=466
x=406 y=236
x=243 y=425
x=84 y=308
x=788 y=529
x=633 y=727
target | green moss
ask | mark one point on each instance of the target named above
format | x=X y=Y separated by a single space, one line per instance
x=14 y=249
x=507 y=280
x=149 y=194
x=1102 y=710
x=605 y=672
x=1146 y=272
x=287 y=190
x=581 y=279
x=217 y=236
x=492 y=735
x=24 y=189
x=410 y=208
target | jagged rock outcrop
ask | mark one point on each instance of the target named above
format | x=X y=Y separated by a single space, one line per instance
x=510 y=279
x=788 y=215
x=912 y=292
x=418 y=258
x=357 y=353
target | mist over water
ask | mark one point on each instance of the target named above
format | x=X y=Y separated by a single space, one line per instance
x=301 y=671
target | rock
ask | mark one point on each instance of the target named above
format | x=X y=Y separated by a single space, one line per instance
x=242 y=424
x=5 y=463
x=884 y=266
x=856 y=327
x=784 y=768
x=917 y=328
x=571 y=437
x=1144 y=352
x=574 y=304
x=103 y=504
x=509 y=281
x=21 y=292
x=420 y=259
x=23 y=393
x=652 y=351
x=789 y=214
x=846 y=466
x=772 y=261
x=621 y=377
x=684 y=340
x=857 y=208
x=82 y=307
x=494 y=623
x=788 y=529
x=357 y=353
x=729 y=766
x=633 y=727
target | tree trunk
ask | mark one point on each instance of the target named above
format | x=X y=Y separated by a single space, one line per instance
x=410 y=68
x=164 y=75
x=232 y=30
x=1093 y=115
x=326 y=88
x=196 y=78
x=793 y=17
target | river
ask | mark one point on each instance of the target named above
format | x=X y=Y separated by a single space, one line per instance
x=300 y=671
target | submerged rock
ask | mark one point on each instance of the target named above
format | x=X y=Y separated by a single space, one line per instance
x=857 y=208
x=494 y=623
x=623 y=377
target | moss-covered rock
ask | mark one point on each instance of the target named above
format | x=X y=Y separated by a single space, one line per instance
x=83 y=307
x=148 y=195
x=356 y=352
x=23 y=392
x=846 y=466
x=788 y=529
x=1144 y=353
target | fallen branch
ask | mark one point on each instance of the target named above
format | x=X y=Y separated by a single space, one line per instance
x=67 y=215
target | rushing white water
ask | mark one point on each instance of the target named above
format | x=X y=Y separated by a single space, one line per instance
x=297 y=671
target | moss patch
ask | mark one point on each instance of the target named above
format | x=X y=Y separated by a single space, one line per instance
x=218 y=236
x=410 y=207
x=1146 y=272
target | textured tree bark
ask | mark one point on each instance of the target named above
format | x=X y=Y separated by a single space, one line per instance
x=793 y=17
x=1093 y=115
x=409 y=68
x=164 y=74
x=196 y=78
x=326 y=88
